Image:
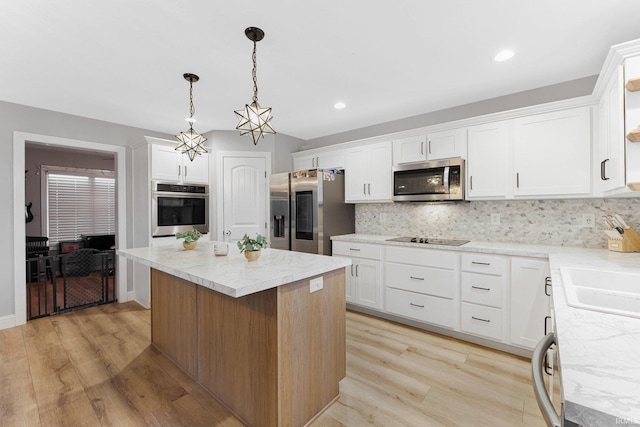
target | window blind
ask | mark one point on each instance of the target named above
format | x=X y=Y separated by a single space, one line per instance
x=80 y=203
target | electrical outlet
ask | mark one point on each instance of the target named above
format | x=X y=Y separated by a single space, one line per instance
x=495 y=219
x=315 y=285
x=588 y=220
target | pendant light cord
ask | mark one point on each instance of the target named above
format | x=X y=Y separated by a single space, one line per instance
x=192 y=109
x=254 y=74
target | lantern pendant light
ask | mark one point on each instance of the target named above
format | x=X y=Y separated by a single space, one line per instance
x=191 y=142
x=253 y=119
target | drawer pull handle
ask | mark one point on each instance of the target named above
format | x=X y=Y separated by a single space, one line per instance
x=482 y=320
x=416 y=278
x=416 y=305
x=480 y=263
x=354 y=249
x=481 y=288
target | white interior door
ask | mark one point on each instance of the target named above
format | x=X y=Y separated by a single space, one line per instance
x=244 y=196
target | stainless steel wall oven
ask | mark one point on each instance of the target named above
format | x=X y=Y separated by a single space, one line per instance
x=178 y=207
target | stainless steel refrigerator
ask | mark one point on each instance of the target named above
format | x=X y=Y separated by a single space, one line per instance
x=307 y=208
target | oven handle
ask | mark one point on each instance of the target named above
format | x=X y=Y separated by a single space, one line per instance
x=544 y=403
x=176 y=194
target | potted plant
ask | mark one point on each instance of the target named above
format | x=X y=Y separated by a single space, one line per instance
x=190 y=238
x=251 y=247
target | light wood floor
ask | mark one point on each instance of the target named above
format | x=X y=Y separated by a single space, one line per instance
x=96 y=367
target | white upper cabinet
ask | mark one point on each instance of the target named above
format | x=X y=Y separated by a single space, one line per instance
x=552 y=153
x=333 y=159
x=609 y=140
x=167 y=164
x=368 y=173
x=409 y=150
x=446 y=144
x=487 y=171
x=434 y=146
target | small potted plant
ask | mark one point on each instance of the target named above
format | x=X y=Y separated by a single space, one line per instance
x=251 y=247
x=190 y=238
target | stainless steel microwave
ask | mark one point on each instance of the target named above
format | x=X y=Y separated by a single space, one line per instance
x=178 y=207
x=436 y=180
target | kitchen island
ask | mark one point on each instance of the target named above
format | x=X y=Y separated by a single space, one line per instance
x=266 y=338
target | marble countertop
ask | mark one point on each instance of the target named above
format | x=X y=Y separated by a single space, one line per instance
x=599 y=352
x=232 y=274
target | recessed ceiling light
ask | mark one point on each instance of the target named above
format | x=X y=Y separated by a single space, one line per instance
x=339 y=105
x=504 y=55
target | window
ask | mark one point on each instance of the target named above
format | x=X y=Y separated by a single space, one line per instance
x=78 y=201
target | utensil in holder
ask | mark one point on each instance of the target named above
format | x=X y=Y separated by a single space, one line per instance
x=628 y=242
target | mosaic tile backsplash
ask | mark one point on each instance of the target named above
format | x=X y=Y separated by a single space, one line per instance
x=544 y=222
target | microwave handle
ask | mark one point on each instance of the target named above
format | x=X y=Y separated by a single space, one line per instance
x=445 y=178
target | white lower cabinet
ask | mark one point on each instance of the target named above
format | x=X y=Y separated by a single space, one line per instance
x=422 y=284
x=497 y=298
x=484 y=282
x=481 y=320
x=529 y=302
x=425 y=308
x=364 y=277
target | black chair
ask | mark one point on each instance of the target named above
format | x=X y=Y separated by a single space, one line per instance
x=35 y=247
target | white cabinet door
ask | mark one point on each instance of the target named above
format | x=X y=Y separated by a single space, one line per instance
x=552 y=153
x=408 y=150
x=450 y=143
x=368 y=173
x=609 y=142
x=333 y=159
x=330 y=160
x=529 y=303
x=196 y=171
x=487 y=160
x=368 y=283
x=356 y=174
x=350 y=284
x=380 y=175
x=165 y=163
x=303 y=163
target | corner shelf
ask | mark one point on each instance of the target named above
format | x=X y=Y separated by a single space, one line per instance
x=634 y=135
x=633 y=85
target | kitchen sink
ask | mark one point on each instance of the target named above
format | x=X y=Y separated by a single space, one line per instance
x=602 y=290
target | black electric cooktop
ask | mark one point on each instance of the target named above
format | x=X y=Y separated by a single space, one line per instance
x=429 y=241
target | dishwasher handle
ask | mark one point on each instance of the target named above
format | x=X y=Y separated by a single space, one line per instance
x=537 y=370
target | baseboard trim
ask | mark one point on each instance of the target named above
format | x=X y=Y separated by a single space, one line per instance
x=7 y=322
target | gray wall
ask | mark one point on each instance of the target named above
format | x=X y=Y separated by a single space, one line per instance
x=557 y=92
x=38 y=155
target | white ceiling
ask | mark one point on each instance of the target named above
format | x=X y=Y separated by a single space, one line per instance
x=122 y=61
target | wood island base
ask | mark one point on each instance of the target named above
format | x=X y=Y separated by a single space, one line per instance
x=273 y=358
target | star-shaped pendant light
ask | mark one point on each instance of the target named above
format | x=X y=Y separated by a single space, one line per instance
x=191 y=142
x=253 y=119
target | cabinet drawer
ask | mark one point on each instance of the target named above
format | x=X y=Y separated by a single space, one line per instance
x=422 y=257
x=481 y=263
x=483 y=289
x=424 y=280
x=480 y=320
x=359 y=250
x=425 y=308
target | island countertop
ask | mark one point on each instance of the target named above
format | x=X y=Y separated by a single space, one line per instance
x=232 y=274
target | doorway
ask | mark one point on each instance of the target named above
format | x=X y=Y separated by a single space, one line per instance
x=70 y=233
x=20 y=140
x=243 y=185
